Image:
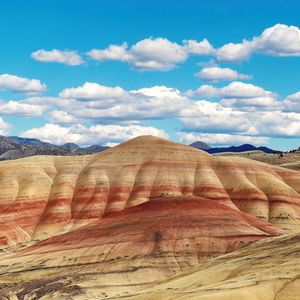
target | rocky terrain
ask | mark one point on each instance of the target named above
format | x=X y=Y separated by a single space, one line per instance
x=119 y=223
x=16 y=147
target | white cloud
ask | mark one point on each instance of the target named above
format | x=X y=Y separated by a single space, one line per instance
x=292 y=103
x=114 y=103
x=54 y=133
x=62 y=117
x=153 y=54
x=268 y=102
x=113 y=52
x=229 y=121
x=161 y=54
x=156 y=54
x=198 y=48
x=71 y=58
x=278 y=124
x=4 y=127
x=20 y=109
x=158 y=92
x=21 y=84
x=96 y=134
x=235 y=89
x=150 y=54
x=243 y=109
x=238 y=109
x=253 y=112
x=235 y=52
x=50 y=102
x=216 y=74
x=278 y=40
x=93 y=91
x=208 y=64
x=217 y=139
x=208 y=116
x=240 y=96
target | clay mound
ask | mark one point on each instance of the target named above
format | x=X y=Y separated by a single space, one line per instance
x=45 y=196
x=139 y=245
x=269 y=269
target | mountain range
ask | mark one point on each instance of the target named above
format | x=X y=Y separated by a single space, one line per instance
x=17 y=147
x=14 y=147
x=234 y=149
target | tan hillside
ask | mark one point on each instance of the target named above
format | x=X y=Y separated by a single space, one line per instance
x=268 y=269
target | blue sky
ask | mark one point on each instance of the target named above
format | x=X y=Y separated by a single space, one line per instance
x=142 y=77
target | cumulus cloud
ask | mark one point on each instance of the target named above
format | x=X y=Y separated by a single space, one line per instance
x=235 y=89
x=235 y=52
x=115 y=104
x=96 y=134
x=216 y=74
x=203 y=47
x=161 y=54
x=153 y=54
x=229 y=121
x=158 y=92
x=21 y=84
x=4 y=127
x=62 y=117
x=113 y=52
x=50 y=102
x=240 y=96
x=267 y=103
x=156 y=54
x=217 y=139
x=70 y=58
x=212 y=117
x=93 y=91
x=276 y=124
x=292 y=103
x=242 y=109
x=21 y=109
x=238 y=109
x=278 y=40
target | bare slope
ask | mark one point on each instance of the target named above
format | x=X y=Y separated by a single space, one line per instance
x=130 y=249
x=266 y=270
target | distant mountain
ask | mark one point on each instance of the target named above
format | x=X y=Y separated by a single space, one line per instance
x=236 y=149
x=16 y=147
x=70 y=146
x=95 y=148
x=28 y=141
x=200 y=145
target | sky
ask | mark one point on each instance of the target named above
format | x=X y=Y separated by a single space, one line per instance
x=102 y=72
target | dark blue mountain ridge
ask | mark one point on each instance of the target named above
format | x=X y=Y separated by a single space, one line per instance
x=200 y=145
x=236 y=149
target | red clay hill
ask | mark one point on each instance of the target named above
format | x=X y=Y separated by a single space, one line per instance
x=43 y=196
x=132 y=215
